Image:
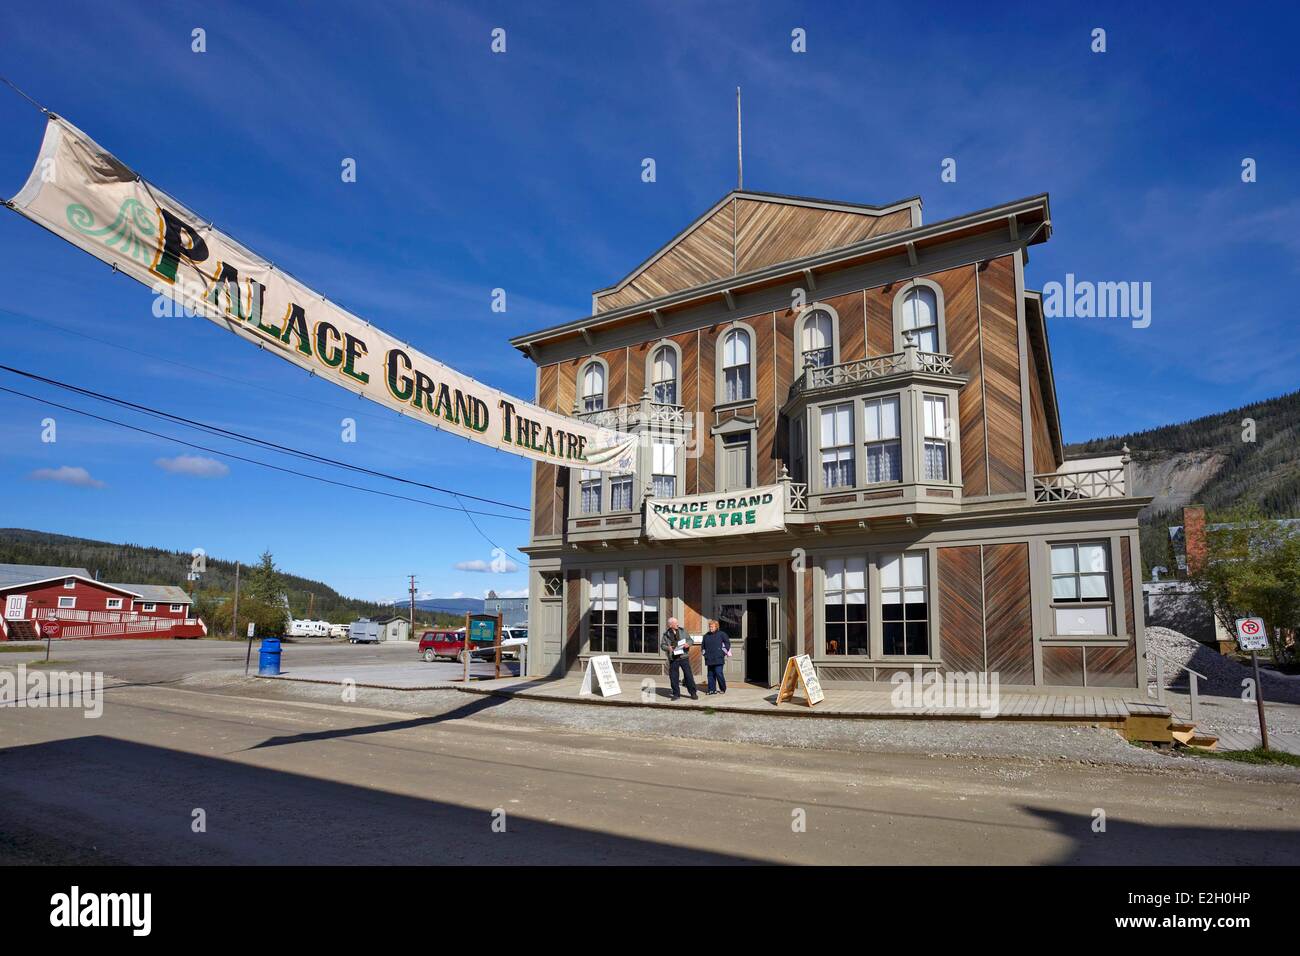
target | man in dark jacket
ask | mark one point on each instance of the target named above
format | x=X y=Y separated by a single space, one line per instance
x=717 y=645
x=676 y=643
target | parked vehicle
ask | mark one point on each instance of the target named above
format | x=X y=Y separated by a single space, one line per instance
x=513 y=638
x=364 y=632
x=308 y=629
x=450 y=645
x=339 y=630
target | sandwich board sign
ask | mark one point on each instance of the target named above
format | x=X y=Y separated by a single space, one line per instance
x=800 y=670
x=1251 y=635
x=606 y=683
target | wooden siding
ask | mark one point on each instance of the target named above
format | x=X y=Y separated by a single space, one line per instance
x=851 y=309
x=1112 y=666
x=693 y=599
x=1126 y=558
x=547 y=500
x=1044 y=452
x=572 y=619
x=744 y=235
x=708 y=339
x=1000 y=337
x=962 y=327
x=1063 y=666
x=766 y=405
x=1008 y=622
x=809 y=642
x=961 y=608
x=879 y=305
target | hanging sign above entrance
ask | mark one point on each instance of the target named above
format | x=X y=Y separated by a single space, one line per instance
x=81 y=192
x=709 y=516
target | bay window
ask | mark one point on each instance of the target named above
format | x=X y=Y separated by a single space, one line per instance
x=620 y=493
x=590 y=488
x=1081 y=593
x=904 y=604
x=884 y=445
x=934 y=460
x=837 y=446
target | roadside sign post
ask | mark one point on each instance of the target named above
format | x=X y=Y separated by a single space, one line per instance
x=249 y=656
x=1252 y=637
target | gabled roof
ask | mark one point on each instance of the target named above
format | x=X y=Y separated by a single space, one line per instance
x=746 y=230
x=25 y=573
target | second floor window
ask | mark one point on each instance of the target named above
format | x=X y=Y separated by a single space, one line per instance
x=818 y=340
x=837 y=446
x=884 y=447
x=590 y=487
x=620 y=493
x=663 y=376
x=593 y=387
x=935 y=458
x=921 y=317
x=663 y=470
x=736 y=366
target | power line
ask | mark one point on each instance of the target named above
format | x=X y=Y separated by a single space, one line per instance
x=217 y=431
x=251 y=461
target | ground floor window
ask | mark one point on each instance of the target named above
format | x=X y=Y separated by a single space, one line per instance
x=904 y=604
x=748 y=579
x=847 y=630
x=643 y=611
x=602 y=614
x=1081 y=592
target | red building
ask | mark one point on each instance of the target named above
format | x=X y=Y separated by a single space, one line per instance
x=68 y=603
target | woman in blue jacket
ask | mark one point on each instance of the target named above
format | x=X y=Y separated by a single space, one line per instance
x=717 y=648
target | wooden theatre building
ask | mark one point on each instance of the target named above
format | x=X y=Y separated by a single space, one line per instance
x=875 y=398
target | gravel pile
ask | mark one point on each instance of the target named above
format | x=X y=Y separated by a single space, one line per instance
x=1224 y=674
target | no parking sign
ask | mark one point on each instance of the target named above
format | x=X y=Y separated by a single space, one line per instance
x=1251 y=635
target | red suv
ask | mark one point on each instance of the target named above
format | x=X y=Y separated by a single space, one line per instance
x=446 y=644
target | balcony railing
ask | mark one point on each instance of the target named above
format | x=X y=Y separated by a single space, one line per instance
x=1082 y=485
x=880 y=366
x=653 y=414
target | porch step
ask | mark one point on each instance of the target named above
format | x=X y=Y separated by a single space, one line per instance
x=22 y=630
x=1186 y=734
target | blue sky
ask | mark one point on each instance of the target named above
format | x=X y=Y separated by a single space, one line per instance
x=522 y=171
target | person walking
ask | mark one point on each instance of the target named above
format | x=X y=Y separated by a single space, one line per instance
x=676 y=643
x=717 y=648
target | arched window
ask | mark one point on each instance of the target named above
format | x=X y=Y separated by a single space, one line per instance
x=920 y=315
x=663 y=375
x=736 y=384
x=817 y=340
x=593 y=387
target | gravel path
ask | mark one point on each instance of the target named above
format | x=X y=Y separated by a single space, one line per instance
x=1224 y=674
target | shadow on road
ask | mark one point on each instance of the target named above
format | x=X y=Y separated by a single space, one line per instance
x=468 y=709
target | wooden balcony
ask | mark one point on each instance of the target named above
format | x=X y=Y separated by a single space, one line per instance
x=654 y=415
x=1082 y=485
x=909 y=360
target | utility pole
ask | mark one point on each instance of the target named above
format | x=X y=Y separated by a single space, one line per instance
x=234 y=617
x=412 y=605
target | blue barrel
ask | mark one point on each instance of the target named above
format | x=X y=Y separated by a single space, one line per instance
x=268 y=657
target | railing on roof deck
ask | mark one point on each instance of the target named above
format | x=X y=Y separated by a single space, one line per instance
x=910 y=359
x=654 y=414
x=1082 y=485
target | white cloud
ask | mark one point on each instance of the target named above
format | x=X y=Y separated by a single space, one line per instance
x=499 y=564
x=67 y=475
x=457 y=594
x=196 y=466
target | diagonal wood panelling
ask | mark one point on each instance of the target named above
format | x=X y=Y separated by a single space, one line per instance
x=765 y=395
x=636 y=363
x=852 y=328
x=693 y=599
x=572 y=619
x=1008 y=624
x=1112 y=666
x=880 y=320
x=809 y=643
x=544 y=475
x=961 y=608
x=784 y=357
x=616 y=387
x=708 y=372
x=1126 y=556
x=961 y=324
x=1063 y=666
x=701 y=255
x=689 y=343
x=1044 y=452
x=1002 y=400
x=767 y=232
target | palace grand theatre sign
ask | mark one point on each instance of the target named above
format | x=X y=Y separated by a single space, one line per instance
x=706 y=516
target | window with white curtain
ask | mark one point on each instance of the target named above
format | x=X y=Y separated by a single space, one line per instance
x=736 y=366
x=643 y=611
x=818 y=345
x=920 y=315
x=935 y=454
x=602 y=620
x=663 y=469
x=589 y=484
x=593 y=387
x=904 y=604
x=620 y=493
x=846 y=606
x=884 y=446
x=1081 y=595
x=837 y=446
x=663 y=375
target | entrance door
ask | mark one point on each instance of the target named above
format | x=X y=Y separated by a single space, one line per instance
x=15 y=607
x=551 y=620
x=731 y=619
x=775 y=652
x=756 y=640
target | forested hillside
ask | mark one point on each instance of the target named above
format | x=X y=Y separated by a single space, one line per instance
x=1211 y=461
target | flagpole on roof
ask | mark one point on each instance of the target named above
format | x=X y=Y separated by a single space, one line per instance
x=740 y=151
